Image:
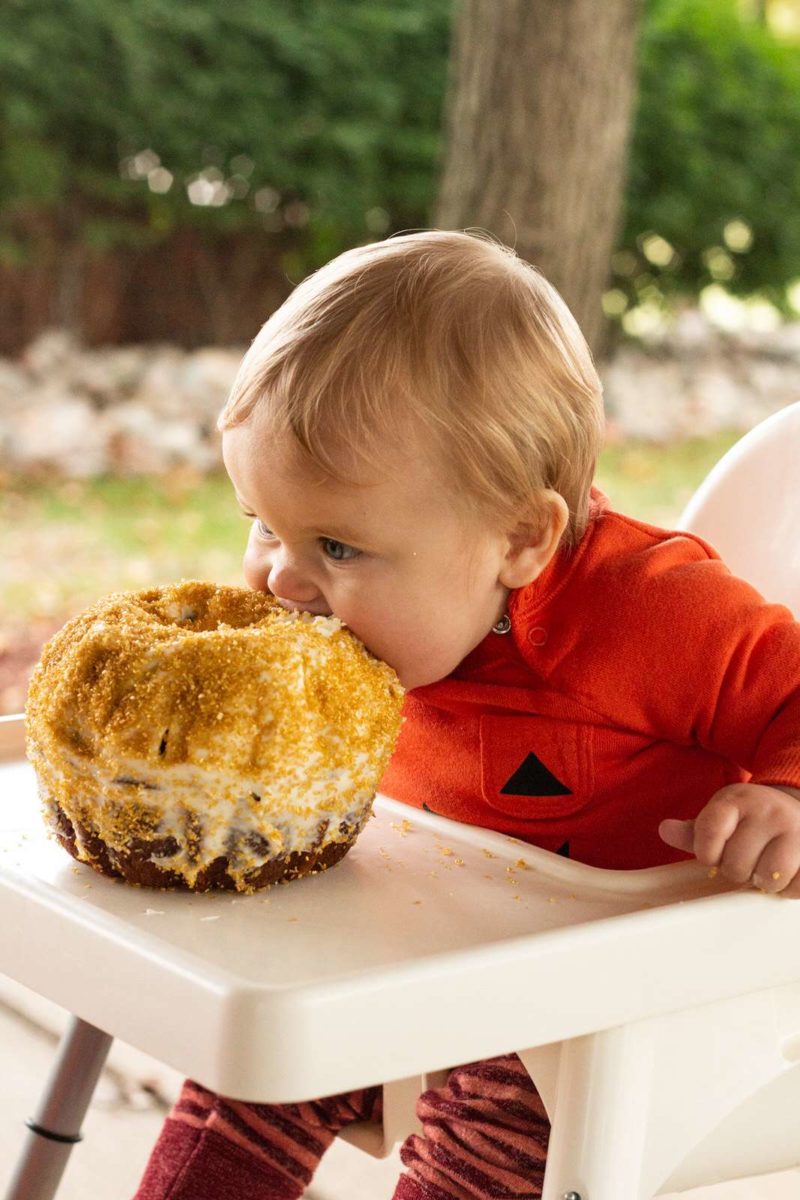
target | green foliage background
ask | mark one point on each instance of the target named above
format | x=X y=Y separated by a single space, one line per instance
x=324 y=117
x=716 y=139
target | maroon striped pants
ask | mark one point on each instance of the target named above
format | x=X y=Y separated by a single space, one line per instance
x=485 y=1136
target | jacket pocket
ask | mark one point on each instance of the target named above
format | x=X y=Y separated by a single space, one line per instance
x=535 y=767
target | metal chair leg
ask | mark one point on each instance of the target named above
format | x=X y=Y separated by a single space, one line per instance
x=56 y=1127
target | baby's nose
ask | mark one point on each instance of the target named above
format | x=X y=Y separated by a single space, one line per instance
x=288 y=582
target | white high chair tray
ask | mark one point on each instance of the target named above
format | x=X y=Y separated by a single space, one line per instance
x=382 y=967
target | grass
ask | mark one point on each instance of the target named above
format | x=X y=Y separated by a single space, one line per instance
x=66 y=543
x=654 y=483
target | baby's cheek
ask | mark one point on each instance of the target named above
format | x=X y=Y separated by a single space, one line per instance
x=374 y=634
x=255 y=570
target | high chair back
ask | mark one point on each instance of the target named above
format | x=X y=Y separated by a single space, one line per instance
x=748 y=508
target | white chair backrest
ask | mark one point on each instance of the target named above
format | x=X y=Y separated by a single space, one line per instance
x=748 y=508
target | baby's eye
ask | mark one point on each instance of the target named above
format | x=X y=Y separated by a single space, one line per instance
x=338 y=551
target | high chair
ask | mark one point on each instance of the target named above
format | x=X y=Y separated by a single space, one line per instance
x=657 y=1011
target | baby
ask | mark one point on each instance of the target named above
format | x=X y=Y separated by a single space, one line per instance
x=413 y=436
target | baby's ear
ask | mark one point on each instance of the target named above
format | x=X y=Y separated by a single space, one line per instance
x=533 y=542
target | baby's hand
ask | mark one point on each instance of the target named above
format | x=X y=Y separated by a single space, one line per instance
x=750 y=832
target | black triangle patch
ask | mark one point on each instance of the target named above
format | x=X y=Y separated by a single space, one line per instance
x=532 y=778
x=563 y=850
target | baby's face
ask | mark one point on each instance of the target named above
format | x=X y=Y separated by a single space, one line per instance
x=395 y=558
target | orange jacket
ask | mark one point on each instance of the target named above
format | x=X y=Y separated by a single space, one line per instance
x=638 y=678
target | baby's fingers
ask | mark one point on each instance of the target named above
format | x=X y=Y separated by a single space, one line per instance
x=714 y=826
x=778 y=868
x=790 y=891
x=679 y=834
x=751 y=832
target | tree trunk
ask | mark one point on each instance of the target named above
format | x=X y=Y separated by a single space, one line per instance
x=539 y=113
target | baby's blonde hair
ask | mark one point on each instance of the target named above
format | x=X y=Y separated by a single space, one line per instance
x=445 y=340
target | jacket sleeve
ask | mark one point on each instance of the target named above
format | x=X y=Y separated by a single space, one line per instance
x=688 y=652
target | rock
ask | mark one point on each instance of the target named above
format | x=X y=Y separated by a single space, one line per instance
x=785 y=340
x=208 y=379
x=51 y=351
x=13 y=385
x=110 y=374
x=153 y=408
x=645 y=397
x=143 y=441
x=161 y=387
x=56 y=430
x=695 y=380
x=691 y=331
x=776 y=382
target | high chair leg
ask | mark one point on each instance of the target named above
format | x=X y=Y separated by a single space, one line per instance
x=399 y=1115
x=632 y=1108
x=56 y=1127
x=600 y=1116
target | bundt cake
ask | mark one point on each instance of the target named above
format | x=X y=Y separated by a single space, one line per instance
x=200 y=737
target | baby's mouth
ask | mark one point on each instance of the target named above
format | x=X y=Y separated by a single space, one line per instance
x=303 y=608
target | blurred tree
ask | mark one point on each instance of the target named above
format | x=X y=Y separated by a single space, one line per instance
x=315 y=120
x=714 y=188
x=537 y=132
x=213 y=139
x=311 y=96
